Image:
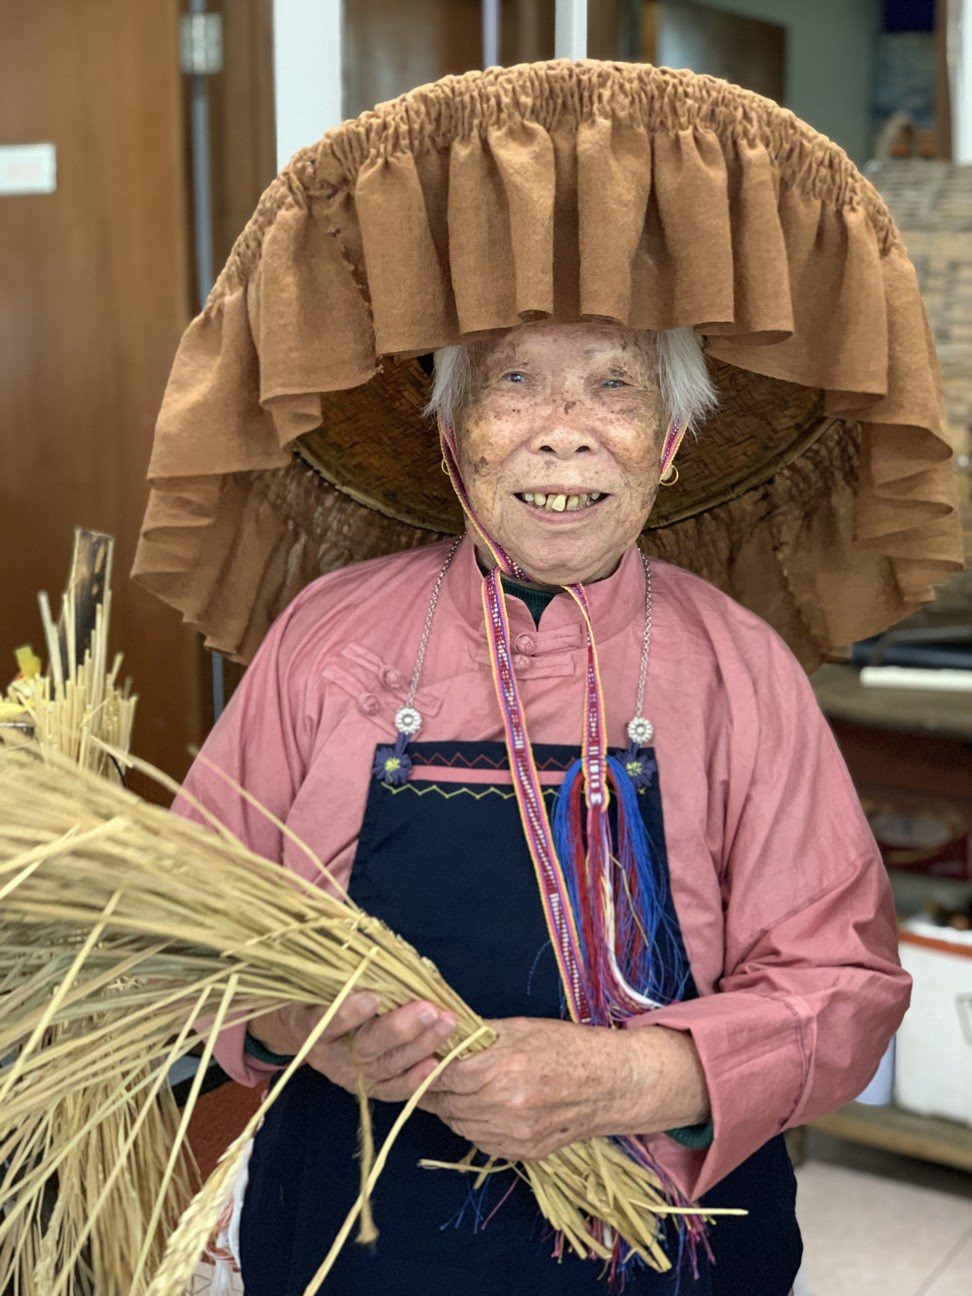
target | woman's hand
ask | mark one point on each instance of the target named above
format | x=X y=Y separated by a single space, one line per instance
x=546 y=1083
x=395 y=1049
x=534 y=1090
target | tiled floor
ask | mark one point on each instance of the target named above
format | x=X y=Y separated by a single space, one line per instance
x=873 y=1225
x=881 y=1225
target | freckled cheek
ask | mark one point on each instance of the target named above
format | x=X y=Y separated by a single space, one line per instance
x=636 y=461
x=488 y=434
x=640 y=477
x=483 y=475
x=484 y=453
x=629 y=415
x=633 y=435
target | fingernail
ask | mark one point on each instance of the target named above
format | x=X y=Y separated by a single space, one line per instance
x=427 y=1016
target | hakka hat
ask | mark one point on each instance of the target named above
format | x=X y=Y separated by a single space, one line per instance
x=821 y=493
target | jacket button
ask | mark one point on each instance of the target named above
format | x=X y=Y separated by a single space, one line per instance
x=369 y=704
x=520 y=663
x=391 y=678
x=525 y=643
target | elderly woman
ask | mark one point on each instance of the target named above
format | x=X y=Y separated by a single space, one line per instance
x=595 y=789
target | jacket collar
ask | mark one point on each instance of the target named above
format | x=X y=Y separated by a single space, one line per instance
x=615 y=602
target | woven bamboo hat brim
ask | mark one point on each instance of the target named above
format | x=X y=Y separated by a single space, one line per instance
x=821 y=494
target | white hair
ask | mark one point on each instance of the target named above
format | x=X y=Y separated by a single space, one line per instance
x=687 y=391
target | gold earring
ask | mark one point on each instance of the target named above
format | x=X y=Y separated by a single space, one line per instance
x=671 y=475
x=442 y=466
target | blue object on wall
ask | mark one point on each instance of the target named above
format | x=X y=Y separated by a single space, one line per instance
x=909 y=15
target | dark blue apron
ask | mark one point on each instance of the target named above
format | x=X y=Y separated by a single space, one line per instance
x=446 y=865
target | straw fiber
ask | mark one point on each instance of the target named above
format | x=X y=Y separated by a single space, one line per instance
x=821 y=493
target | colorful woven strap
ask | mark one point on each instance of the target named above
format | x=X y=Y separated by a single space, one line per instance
x=595 y=988
x=577 y=884
x=533 y=813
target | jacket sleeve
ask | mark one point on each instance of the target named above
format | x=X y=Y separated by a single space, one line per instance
x=258 y=742
x=812 y=988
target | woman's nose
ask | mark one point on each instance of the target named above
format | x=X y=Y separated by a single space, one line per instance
x=563 y=440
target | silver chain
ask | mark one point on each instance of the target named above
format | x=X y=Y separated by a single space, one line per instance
x=646 y=641
x=408 y=720
x=640 y=730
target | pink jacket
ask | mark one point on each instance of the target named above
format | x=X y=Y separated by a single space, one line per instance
x=783 y=900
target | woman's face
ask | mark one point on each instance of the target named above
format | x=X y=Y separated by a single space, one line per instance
x=560 y=446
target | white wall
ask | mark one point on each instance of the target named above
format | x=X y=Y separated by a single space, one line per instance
x=960 y=67
x=306 y=71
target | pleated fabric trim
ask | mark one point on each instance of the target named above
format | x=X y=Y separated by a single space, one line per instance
x=570 y=191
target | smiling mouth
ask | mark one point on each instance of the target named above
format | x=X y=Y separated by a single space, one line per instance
x=557 y=502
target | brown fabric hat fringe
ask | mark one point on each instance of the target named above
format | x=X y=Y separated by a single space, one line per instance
x=821 y=493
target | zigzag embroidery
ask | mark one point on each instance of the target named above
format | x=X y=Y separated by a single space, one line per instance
x=490 y=788
x=481 y=762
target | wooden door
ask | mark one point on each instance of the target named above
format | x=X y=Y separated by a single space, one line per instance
x=94 y=295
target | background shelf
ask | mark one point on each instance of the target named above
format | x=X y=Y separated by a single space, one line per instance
x=927 y=1137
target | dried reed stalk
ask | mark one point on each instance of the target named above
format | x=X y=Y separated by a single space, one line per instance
x=70 y=710
x=77 y=703
x=123 y=925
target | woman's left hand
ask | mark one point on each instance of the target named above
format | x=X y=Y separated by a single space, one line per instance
x=543 y=1084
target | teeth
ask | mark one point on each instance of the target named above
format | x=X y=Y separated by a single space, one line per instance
x=561 y=503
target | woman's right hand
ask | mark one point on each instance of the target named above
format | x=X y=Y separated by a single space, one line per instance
x=395 y=1049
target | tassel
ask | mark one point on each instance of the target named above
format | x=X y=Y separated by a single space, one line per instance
x=629 y=936
x=655 y=962
x=569 y=845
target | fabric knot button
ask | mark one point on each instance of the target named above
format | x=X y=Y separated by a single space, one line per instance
x=525 y=643
x=520 y=663
x=391 y=678
x=369 y=703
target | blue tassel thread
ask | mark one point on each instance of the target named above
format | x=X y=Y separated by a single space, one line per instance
x=648 y=942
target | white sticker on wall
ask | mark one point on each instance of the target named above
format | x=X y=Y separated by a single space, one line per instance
x=28 y=168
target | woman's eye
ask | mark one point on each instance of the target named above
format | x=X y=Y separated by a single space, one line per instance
x=615 y=382
x=515 y=375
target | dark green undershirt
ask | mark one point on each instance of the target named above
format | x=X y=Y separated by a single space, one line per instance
x=535 y=599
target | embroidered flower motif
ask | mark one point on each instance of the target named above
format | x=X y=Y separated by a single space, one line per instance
x=639 y=766
x=392 y=766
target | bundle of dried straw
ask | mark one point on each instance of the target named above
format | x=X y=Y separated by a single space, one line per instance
x=78 y=699
x=122 y=926
x=70 y=710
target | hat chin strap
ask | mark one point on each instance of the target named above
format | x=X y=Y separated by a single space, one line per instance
x=450 y=457
x=673 y=439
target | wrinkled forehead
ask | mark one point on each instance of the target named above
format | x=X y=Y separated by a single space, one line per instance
x=586 y=342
